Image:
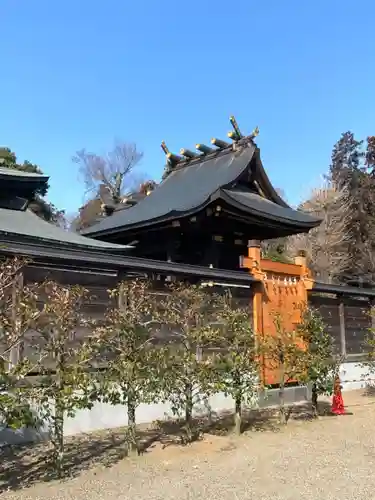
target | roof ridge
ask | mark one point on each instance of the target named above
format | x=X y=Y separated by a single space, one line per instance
x=215 y=153
x=189 y=157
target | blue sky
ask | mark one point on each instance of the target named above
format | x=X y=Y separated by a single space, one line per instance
x=78 y=74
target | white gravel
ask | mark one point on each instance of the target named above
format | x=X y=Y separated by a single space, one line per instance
x=331 y=458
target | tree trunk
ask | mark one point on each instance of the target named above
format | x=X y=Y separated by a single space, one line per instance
x=132 y=444
x=58 y=421
x=58 y=441
x=209 y=412
x=238 y=415
x=16 y=352
x=282 y=412
x=189 y=410
x=238 y=403
x=314 y=400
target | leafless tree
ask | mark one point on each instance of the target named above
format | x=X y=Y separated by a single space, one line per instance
x=326 y=246
x=111 y=170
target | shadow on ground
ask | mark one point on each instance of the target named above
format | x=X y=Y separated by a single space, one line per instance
x=369 y=391
x=22 y=466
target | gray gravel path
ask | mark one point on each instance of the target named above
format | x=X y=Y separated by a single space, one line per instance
x=327 y=459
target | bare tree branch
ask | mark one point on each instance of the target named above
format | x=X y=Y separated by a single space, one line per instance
x=327 y=245
x=111 y=170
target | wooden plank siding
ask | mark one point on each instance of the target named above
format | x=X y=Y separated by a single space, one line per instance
x=357 y=325
x=328 y=307
x=98 y=302
x=348 y=321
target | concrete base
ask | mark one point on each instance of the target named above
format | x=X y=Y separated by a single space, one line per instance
x=355 y=376
x=104 y=416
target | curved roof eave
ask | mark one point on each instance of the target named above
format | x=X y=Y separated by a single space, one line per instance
x=265 y=183
x=266 y=209
x=255 y=206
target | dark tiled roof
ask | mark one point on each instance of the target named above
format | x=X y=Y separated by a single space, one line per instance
x=20 y=183
x=196 y=183
x=27 y=224
x=13 y=172
x=184 y=190
x=257 y=205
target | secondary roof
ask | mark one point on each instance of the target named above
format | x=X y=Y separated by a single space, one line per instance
x=17 y=188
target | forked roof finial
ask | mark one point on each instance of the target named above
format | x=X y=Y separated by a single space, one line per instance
x=234 y=134
x=255 y=132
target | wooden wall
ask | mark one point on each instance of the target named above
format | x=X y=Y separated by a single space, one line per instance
x=96 y=283
x=348 y=321
x=98 y=301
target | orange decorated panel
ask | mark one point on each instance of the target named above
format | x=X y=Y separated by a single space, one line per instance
x=281 y=294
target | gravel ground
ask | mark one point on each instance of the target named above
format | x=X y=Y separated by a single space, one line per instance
x=329 y=458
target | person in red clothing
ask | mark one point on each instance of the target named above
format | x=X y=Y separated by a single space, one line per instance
x=338 y=407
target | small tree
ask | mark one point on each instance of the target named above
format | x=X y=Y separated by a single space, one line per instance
x=18 y=314
x=369 y=348
x=238 y=364
x=319 y=357
x=131 y=377
x=190 y=313
x=284 y=353
x=65 y=385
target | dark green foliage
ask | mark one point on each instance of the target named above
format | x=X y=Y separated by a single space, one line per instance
x=352 y=169
x=190 y=314
x=321 y=362
x=132 y=376
x=9 y=160
x=284 y=353
x=61 y=394
x=346 y=161
x=276 y=250
x=18 y=314
x=237 y=364
x=14 y=411
x=369 y=348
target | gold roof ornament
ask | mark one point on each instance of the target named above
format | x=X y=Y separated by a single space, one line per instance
x=164 y=147
x=235 y=134
x=173 y=158
x=219 y=143
x=188 y=153
x=204 y=149
x=255 y=132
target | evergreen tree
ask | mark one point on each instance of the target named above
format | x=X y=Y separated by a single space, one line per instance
x=346 y=161
x=346 y=172
x=370 y=155
x=365 y=224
